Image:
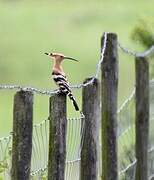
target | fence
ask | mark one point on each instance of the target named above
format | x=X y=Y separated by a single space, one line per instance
x=61 y=148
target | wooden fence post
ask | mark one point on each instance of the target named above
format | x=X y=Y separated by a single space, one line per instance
x=22 y=135
x=57 y=137
x=89 y=151
x=109 y=108
x=142 y=117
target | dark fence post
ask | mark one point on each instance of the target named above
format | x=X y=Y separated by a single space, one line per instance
x=89 y=151
x=22 y=135
x=142 y=117
x=109 y=108
x=57 y=137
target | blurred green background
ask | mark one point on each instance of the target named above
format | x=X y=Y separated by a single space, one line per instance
x=30 y=28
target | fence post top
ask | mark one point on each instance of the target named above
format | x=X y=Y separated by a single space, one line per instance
x=93 y=79
x=25 y=92
x=109 y=34
x=26 y=95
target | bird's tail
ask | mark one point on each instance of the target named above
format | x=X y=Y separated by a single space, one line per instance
x=74 y=102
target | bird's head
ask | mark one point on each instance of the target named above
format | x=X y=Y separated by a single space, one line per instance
x=59 y=57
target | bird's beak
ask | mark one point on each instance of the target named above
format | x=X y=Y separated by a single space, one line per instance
x=70 y=58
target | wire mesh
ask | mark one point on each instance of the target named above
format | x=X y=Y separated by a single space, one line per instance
x=75 y=132
x=126 y=134
x=39 y=149
x=73 y=147
x=126 y=138
x=5 y=157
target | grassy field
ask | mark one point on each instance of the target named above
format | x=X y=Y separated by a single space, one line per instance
x=30 y=28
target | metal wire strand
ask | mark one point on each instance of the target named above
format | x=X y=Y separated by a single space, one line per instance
x=78 y=86
x=40 y=147
x=31 y=89
x=51 y=92
x=146 y=53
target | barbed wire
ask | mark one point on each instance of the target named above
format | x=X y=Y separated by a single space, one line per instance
x=98 y=67
x=51 y=92
x=31 y=89
x=146 y=53
x=78 y=86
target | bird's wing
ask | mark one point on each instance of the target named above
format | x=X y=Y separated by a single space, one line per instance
x=62 y=82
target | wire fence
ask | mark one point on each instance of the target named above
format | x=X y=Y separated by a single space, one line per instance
x=40 y=148
x=5 y=157
x=50 y=92
x=40 y=144
x=75 y=134
x=126 y=137
x=146 y=53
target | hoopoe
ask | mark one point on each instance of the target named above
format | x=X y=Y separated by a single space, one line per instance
x=59 y=76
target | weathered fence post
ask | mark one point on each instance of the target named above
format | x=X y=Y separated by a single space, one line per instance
x=89 y=151
x=142 y=117
x=109 y=108
x=22 y=135
x=57 y=137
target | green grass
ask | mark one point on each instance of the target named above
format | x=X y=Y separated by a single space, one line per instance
x=30 y=28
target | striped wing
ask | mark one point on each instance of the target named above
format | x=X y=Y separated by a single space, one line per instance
x=62 y=82
x=64 y=87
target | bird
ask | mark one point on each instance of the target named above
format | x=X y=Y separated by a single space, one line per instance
x=59 y=76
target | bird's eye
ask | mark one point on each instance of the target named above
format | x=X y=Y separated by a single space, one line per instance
x=61 y=56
